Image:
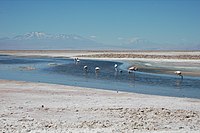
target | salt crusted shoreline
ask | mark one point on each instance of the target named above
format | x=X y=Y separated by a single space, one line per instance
x=40 y=107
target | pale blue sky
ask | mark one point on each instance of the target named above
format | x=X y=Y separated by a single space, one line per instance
x=111 y=21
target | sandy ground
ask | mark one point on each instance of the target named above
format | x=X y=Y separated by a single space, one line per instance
x=105 y=54
x=40 y=107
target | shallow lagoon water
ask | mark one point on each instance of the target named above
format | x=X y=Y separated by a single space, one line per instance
x=66 y=71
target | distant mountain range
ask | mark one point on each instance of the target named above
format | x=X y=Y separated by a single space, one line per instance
x=44 y=36
x=140 y=43
x=44 y=41
x=144 y=44
x=40 y=40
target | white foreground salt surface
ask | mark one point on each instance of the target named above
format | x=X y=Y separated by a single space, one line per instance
x=40 y=107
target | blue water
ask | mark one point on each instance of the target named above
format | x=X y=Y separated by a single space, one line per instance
x=66 y=71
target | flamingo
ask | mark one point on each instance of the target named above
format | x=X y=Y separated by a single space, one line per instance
x=133 y=68
x=179 y=73
x=97 y=69
x=85 y=68
x=115 y=67
x=76 y=60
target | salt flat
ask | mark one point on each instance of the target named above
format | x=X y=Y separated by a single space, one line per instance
x=40 y=107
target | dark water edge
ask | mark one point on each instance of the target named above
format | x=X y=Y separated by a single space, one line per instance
x=67 y=72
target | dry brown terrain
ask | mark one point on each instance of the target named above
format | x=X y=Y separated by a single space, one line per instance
x=108 y=54
x=196 y=57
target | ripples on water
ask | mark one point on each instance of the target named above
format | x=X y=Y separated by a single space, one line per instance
x=66 y=71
